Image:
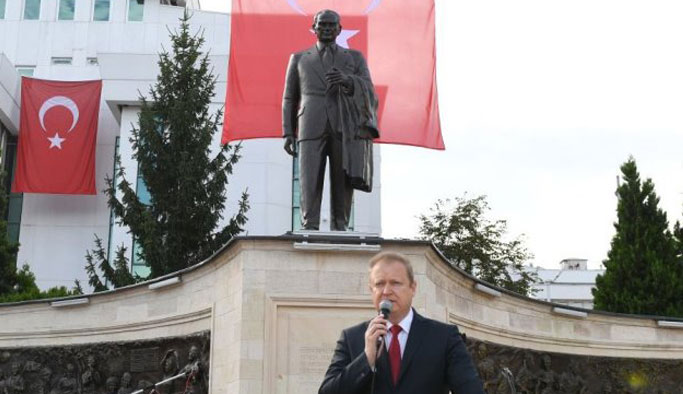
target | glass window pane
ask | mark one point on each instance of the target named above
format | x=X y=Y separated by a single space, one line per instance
x=112 y=217
x=67 y=8
x=142 y=271
x=26 y=71
x=32 y=9
x=2 y=8
x=135 y=10
x=15 y=200
x=101 y=12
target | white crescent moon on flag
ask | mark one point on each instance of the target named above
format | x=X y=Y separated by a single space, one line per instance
x=295 y=6
x=58 y=101
x=372 y=6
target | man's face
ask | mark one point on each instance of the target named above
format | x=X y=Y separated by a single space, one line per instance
x=389 y=281
x=327 y=27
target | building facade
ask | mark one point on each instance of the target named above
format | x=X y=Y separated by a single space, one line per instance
x=572 y=284
x=118 y=41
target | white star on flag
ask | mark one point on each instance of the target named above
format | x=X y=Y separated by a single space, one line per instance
x=56 y=141
x=343 y=37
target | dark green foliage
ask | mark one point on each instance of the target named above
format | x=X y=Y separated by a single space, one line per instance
x=117 y=275
x=25 y=288
x=473 y=243
x=643 y=274
x=180 y=225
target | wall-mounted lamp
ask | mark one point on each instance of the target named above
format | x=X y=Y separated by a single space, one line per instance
x=72 y=302
x=570 y=312
x=164 y=283
x=670 y=324
x=487 y=290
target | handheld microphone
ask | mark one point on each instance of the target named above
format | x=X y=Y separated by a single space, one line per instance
x=385 y=308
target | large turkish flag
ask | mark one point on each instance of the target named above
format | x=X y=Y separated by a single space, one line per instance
x=57 y=135
x=396 y=36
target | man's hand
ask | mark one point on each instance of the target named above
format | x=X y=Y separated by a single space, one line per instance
x=290 y=145
x=336 y=77
x=377 y=328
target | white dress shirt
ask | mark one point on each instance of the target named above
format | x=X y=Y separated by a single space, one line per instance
x=403 y=335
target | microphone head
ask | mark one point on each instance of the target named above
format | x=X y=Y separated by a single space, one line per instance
x=385 y=308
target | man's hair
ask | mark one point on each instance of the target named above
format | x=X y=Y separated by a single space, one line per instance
x=393 y=257
x=317 y=15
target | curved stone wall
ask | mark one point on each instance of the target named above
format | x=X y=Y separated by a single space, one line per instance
x=275 y=306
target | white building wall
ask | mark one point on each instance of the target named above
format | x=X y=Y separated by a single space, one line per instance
x=56 y=231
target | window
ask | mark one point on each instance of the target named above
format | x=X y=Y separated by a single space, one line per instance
x=92 y=61
x=26 y=71
x=101 y=11
x=135 y=10
x=61 y=60
x=15 y=200
x=67 y=9
x=2 y=8
x=31 y=9
x=112 y=217
x=137 y=264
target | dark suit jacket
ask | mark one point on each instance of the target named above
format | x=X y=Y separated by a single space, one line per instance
x=307 y=105
x=434 y=361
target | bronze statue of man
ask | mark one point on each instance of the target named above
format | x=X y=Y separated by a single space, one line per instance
x=329 y=111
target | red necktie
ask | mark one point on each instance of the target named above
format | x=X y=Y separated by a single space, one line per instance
x=395 y=353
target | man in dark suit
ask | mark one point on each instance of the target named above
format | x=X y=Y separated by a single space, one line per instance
x=319 y=84
x=418 y=355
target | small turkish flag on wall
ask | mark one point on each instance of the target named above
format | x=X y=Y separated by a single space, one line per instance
x=57 y=135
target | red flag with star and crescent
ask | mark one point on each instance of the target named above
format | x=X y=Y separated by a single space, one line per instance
x=57 y=135
x=396 y=37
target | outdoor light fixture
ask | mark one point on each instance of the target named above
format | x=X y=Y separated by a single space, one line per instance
x=164 y=283
x=72 y=302
x=670 y=324
x=487 y=290
x=570 y=312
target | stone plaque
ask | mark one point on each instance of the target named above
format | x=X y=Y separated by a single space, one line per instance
x=305 y=340
x=144 y=360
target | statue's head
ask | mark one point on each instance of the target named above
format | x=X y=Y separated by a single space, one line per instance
x=193 y=353
x=326 y=25
x=112 y=383
x=126 y=379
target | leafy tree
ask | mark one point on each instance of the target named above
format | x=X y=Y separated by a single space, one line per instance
x=475 y=244
x=25 y=288
x=180 y=225
x=642 y=275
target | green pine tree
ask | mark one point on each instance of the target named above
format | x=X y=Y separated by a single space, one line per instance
x=477 y=245
x=172 y=144
x=642 y=272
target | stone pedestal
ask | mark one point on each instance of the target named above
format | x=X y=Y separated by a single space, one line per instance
x=275 y=307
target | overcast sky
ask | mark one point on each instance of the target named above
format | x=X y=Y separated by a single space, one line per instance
x=541 y=102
